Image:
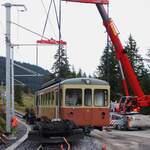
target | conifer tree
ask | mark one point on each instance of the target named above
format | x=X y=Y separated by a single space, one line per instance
x=79 y=74
x=136 y=60
x=61 y=67
x=108 y=70
x=73 y=73
x=148 y=54
x=18 y=95
x=137 y=63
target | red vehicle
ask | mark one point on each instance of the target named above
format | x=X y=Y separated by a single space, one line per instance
x=140 y=100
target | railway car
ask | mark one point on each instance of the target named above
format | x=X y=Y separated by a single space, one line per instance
x=85 y=101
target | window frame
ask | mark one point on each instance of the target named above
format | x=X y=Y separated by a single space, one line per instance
x=105 y=99
x=91 y=97
x=81 y=96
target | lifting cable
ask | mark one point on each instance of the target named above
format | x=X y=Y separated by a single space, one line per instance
x=46 y=17
x=58 y=18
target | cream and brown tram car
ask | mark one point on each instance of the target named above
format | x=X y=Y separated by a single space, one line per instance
x=85 y=101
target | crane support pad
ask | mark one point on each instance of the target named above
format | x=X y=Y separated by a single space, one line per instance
x=90 y=1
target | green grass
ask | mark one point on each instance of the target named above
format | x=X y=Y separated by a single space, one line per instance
x=28 y=101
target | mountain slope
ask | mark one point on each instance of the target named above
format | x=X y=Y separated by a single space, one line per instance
x=33 y=82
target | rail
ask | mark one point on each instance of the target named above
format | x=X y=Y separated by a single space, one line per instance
x=19 y=114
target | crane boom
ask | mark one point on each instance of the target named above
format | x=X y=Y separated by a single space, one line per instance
x=120 y=52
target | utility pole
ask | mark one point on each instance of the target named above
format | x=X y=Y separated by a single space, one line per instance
x=2 y=96
x=8 y=72
x=12 y=81
x=8 y=45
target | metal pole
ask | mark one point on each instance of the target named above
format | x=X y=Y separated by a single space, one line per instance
x=37 y=55
x=8 y=45
x=60 y=46
x=3 y=95
x=12 y=80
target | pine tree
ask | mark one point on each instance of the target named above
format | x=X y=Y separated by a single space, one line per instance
x=73 y=73
x=148 y=54
x=80 y=73
x=61 y=66
x=108 y=70
x=137 y=63
x=135 y=59
x=18 y=95
x=145 y=80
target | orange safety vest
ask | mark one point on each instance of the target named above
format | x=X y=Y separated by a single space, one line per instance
x=14 y=122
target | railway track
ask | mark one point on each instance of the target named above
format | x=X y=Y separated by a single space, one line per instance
x=19 y=114
x=114 y=140
x=55 y=146
x=32 y=145
x=85 y=143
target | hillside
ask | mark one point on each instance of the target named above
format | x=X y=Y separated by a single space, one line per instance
x=32 y=82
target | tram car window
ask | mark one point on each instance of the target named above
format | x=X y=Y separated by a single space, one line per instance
x=73 y=97
x=53 y=102
x=88 y=97
x=99 y=97
x=49 y=98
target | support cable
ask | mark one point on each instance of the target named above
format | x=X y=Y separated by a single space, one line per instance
x=26 y=69
x=29 y=30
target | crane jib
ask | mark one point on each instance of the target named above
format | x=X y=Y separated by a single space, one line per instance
x=90 y=1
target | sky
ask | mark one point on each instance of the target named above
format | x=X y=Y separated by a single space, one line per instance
x=81 y=26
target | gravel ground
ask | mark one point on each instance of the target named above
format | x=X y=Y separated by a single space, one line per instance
x=21 y=130
x=87 y=143
x=27 y=145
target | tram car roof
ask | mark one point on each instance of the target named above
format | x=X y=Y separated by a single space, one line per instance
x=88 y=81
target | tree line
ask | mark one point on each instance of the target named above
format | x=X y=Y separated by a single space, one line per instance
x=107 y=69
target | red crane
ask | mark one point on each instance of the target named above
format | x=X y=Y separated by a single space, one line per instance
x=140 y=100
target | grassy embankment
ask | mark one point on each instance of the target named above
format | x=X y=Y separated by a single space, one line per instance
x=28 y=101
